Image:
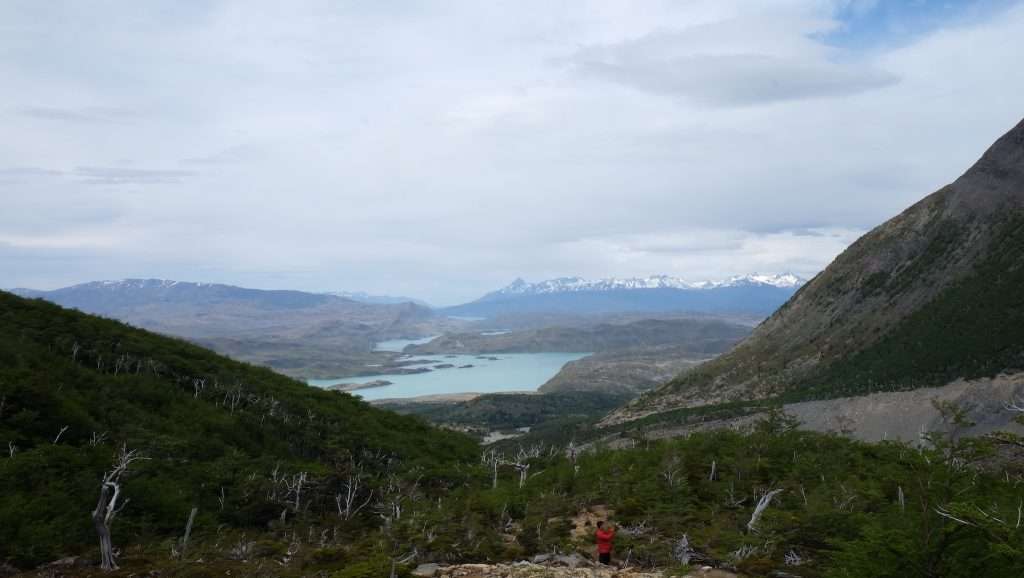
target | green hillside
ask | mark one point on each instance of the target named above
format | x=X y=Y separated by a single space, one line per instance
x=203 y=421
x=268 y=463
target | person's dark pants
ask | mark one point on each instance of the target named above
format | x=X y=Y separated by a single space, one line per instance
x=605 y=558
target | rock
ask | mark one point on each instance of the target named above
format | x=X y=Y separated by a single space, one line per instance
x=426 y=570
x=571 y=561
x=69 y=562
x=444 y=366
x=6 y=570
x=541 y=558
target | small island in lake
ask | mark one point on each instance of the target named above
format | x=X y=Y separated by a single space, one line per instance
x=355 y=386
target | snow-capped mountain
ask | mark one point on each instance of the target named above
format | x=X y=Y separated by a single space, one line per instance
x=571 y=284
x=748 y=294
x=363 y=297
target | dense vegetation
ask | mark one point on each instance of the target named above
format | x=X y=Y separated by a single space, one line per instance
x=507 y=411
x=74 y=387
x=269 y=464
x=973 y=329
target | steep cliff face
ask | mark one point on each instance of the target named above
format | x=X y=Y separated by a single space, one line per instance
x=932 y=295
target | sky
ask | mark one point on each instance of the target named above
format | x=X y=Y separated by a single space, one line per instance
x=442 y=149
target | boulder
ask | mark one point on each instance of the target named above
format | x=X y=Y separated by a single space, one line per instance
x=426 y=570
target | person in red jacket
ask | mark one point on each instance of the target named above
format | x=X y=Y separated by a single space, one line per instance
x=604 y=537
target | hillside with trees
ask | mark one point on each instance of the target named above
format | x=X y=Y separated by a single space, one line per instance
x=181 y=461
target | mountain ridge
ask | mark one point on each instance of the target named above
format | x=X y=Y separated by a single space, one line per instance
x=882 y=316
x=574 y=284
x=299 y=333
x=746 y=294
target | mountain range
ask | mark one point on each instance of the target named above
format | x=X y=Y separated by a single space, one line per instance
x=299 y=333
x=364 y=297
x=747 y=294
x=931 y=297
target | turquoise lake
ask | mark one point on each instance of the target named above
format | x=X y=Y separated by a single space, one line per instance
x=510 y=372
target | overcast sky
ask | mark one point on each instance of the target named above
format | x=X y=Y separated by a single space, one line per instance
x=441 y=149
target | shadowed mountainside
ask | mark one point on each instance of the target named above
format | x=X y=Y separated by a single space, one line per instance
x=928 y=297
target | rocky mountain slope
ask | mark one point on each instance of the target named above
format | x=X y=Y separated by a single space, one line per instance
x=626 y=372
x=749 y=294
x=928 y=297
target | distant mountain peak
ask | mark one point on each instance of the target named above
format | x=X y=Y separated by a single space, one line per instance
x=576 y=284
x=364 y=297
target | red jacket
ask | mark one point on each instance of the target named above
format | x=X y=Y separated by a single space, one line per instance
x=604 y=540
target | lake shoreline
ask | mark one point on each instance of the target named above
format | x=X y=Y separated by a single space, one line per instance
x=460 y=375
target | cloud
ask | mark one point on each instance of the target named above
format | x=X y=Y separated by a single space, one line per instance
x=679 y=64
x=227 y=156
x=740 y=79
x=18 y=175
x=442 y=150
x=87 y=115
x=129 y=176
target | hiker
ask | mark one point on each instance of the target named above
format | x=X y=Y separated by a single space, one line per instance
x=604 y=543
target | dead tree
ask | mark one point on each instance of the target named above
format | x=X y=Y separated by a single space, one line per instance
x=97 y=439
x=294 y=487
x=524 y=471
x=393 y=498
x=759 y=509
x=493 y=460
x=107 y=506
x=60 y=433
x=682 y=551
x=182 y=550
x=347 y=500
x=670 y=471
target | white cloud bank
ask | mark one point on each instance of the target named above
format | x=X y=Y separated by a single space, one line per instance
x=442 y=149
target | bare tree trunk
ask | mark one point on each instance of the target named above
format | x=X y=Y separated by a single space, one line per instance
x=759 y=509
x=60 y=433
x=188 y=531
x=102 y=526
x=107 y=507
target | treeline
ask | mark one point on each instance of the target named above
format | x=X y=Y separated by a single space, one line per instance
x=504 y=411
